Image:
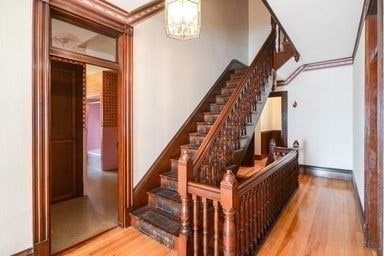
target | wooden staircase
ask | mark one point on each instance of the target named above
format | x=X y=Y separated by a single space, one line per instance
x=190 y=199
x=160 y=219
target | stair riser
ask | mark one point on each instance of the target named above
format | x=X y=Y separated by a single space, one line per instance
x=154 y=232
x=210 y=118
x=222 y=99
x=227 y=90
x=204 y=128
x=164 y=204
x=217 y=108
x=232 y=83
x=191 y=152
x=196 y=139
x=237 y=76
x=174 y=164
x=169 y=184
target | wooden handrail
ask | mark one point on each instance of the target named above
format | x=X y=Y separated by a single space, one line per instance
x=266 y=171
x=208 y=142
x=207 y=191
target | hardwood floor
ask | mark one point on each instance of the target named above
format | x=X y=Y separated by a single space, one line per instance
x=320 y=220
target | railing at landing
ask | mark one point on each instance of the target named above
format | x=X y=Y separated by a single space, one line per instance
x=235 y=218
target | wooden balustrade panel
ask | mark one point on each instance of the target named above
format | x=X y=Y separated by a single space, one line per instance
x=223 y=142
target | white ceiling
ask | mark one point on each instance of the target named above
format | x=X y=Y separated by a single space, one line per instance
x=320 y=29
x=129 y=5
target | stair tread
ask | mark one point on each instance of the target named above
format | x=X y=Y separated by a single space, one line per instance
x=205 y=123
x=171 y=175
x=191 y=146
x=166 y=194
x=199 y=134
x=212 y=113
x=158 y=218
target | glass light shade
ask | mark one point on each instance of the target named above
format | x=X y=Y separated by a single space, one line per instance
x=183 y=18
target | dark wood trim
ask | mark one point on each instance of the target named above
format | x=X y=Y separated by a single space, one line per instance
x=330 y=173
x=27 y=252
x=106 y=13
x=359 y=205
x=260 y=157
x=125 y=132
x=360 y=28
x=144 y=12
x=83 y=58
x=371 y=135
x=94 y=13
x=41 y=87
x=380 y=118
x=40 y=150
x=316 y=66
x=162 y=164
x=284 y=115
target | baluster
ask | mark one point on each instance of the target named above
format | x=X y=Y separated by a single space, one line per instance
x=205 y=227
x=228 y=200
x=216 y=228
x=184 y=170
x=195 y=225
x=246 y=224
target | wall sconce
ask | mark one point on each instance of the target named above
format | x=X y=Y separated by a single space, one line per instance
x=294 y=104
x=182 y=19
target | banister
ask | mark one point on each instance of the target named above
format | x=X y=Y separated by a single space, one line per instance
x=219 y=123
x=203 y=190
x=259 y=176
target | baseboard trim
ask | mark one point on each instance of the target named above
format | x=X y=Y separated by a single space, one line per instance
x=260 y=157
x=27 y=252
x=330 y=173
x=359 y=205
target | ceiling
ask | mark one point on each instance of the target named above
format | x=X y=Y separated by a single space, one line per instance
x=320 y=29
x=129 y=5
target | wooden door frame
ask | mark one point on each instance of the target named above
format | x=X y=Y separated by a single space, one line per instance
x=108 y=19
x=284 y=114
x=374 y=138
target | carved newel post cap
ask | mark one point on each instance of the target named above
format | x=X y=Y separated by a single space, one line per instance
x=272 y=143
x=296 y=144
x=185 y=155
x=229 y=178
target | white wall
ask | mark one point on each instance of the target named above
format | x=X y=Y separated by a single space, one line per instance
x=323 y=119
x=358 y=116
x=171 y=77
x=270 y=118
x=259 y=27
x=16 y=126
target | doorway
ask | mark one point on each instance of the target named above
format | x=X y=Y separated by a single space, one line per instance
x=84 y=153
x=273 y=124
x=87 y=36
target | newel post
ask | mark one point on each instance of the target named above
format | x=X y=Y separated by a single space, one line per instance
x=228 y=200
x=271 y=155
x=184 y=172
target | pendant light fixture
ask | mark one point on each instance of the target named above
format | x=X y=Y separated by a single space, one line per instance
x=182 y=19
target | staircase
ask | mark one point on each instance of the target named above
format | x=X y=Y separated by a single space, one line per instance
x=196 y=174
x=160 y=219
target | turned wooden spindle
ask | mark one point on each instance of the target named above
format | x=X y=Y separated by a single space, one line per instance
x=228 y=200
x=184 y=172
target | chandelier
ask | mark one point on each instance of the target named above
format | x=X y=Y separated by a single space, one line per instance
x=182 y=18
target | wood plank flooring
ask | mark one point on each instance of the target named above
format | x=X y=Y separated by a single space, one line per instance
x=321 y=220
